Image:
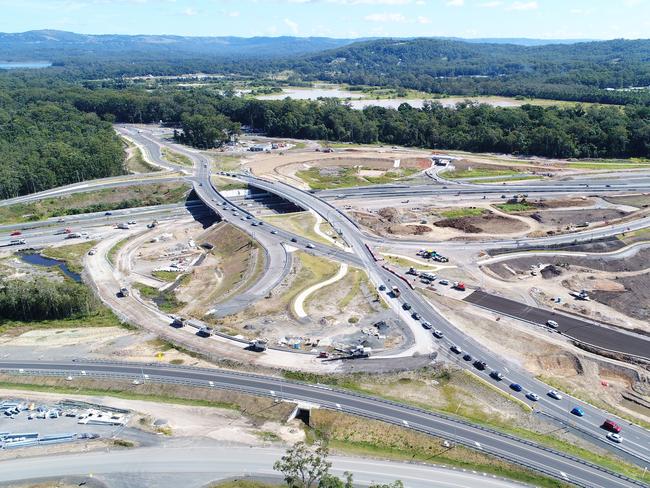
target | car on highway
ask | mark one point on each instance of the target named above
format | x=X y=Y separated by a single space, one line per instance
x=496 y=375
x=611 y=426
x=249 y=217
x=416 y=316
x=16 y=233
x=382 y=287
x=515 y=387
x=406 y=306
x=108 y=213
x=274 y=231
x=310 y=246
x=555 y=395
x=131 y=222
x=443 y=282
x=455 y=349
x=467 y=357
x=438 y=334
x=60 y=220
x=552 y=324
x=578 y=412
x=293 y=239
x=614 y=437
x=480 y=365
x=426 y=325
x=92 y=252
x=532 y=396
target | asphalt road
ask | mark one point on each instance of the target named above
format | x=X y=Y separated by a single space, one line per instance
x=492 y=442
x=220 y=462
x=581 y=330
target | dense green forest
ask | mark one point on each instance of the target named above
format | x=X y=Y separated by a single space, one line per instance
x=44 y=144
x=44 y=300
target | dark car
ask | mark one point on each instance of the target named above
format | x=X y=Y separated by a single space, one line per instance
x=415 y=315
x=455 y=349
x=467 y=357
x=108 y=213
x=406 y=306
x=496 y=375
x=481 y=365
x=293 y=239
x=515 y=387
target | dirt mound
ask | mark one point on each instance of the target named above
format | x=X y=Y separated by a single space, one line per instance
x=391 y=214
x=563 y=363
x=551 y=271
x=416 y=230
x=464 y=224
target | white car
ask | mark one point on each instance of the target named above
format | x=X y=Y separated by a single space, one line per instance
x=614 y=437
x=310 y=246
x=532 y=396
x=438 y=334
x=552 y=324
x=555 y=394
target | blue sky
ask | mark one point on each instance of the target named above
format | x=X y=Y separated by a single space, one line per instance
x=557 y=19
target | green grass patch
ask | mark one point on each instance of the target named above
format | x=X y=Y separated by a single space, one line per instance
x=142 y=195
x=458 y=213
x=101 y=317
x=477 y=173
x=165 y=300
x=225 y=162
x=135 y=162
x=166 y=275
x=608 y=166
x=515 y=207
x=407 y=263
x=112 y=252
x=176 y=158
x=72 y=255
x=345 y=177
x=244 y=484
x=224 y=184
x=505 y=179
x=299 y=223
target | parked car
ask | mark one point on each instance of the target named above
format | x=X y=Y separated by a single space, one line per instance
x=555 y=395
x=611 y=426
x=515 y=387
x=578 y=412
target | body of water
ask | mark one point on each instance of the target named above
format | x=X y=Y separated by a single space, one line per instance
x=24 y=64
x=38 y=260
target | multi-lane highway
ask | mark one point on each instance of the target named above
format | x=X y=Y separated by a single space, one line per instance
x=507 y=447
x=277 y=242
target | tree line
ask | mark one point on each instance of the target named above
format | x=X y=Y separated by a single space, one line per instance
x=36 y=300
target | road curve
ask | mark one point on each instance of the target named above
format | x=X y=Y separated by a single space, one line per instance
x=512 y=449
x=229 y=461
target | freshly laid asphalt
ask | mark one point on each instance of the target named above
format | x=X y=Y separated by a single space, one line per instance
x=580 y=330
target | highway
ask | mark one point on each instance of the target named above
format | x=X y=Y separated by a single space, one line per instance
x=636 y=447
x=198 y=464
x=507 y=447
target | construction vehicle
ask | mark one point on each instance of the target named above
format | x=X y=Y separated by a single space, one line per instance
x=360 y=351
x=17 y=242
x=258 y=345
x=583 y=295
x=413 y=271
x=459 y=285
x=124 y=292
x=122 y=225
x=152 y=224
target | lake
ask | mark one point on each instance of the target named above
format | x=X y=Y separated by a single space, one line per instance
x=24 y=64
x=38 y=260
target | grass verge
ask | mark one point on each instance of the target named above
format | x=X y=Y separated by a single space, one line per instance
x=458 y=213
x=102 y=317
x=176 y=158
x=72 y=255
x=112 y=252
x=166 y=300
x=477 y=173
x=135 y=162
x=515 y=207
x=300 y=223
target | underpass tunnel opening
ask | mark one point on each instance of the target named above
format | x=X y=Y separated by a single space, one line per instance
x=301 y=413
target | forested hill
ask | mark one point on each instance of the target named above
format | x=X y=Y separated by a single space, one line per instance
x=581 y=71
x=61 y=47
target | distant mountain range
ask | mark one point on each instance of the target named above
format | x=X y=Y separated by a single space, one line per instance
x=55 y=45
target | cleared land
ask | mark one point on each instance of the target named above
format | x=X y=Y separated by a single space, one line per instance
x=135 y=162
x=302 y=224
x=176 y=158
x=322 y=178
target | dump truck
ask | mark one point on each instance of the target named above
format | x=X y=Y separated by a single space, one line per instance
x=258 y=345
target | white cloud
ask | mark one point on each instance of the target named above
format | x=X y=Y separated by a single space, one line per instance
x=523 y=6
x=357 y=2
x=455 y=3
x=234 y=13
x=293 y=26
x=385 y=17
x=190 y=12
x=493 y=4
x=423 y=20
